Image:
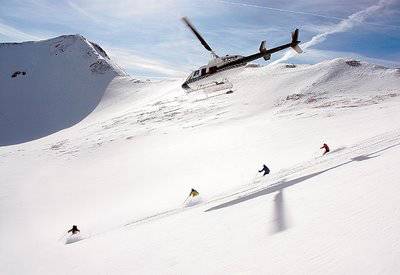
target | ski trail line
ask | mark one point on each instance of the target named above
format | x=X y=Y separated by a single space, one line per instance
x=370 y=146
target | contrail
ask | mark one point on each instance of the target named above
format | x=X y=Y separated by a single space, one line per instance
x=300 y=12
x=343 y=26
x=280 y=10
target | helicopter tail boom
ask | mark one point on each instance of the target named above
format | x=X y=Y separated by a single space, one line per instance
x=266 y=53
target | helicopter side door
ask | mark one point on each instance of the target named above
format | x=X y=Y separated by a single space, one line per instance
x=212 y=69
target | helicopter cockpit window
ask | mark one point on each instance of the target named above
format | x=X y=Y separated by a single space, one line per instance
x=196 y=73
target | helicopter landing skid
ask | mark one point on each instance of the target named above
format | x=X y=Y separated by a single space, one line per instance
x=214 y=86
x=212 y=90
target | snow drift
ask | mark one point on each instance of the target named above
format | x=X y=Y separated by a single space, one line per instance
x=50 y=85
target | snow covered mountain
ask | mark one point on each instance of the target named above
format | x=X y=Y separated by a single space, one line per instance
x=49 y=85
x=122 y=172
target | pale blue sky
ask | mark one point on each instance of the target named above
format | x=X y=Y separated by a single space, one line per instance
x=147 y=38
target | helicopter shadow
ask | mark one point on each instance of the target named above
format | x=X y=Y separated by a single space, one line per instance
x=280 y=216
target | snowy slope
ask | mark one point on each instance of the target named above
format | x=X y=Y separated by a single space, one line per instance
x=49 y=85
x=122 y=174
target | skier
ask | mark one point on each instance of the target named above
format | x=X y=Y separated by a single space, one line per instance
x=193 y=193
x=190 y=199
x=326 y=147
x=74 y=230
x=265 y=169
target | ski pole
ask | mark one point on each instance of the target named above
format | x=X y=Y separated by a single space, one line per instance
x=255 y=176
x=186 y=199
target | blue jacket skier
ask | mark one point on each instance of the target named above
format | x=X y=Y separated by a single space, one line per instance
x=265 y=170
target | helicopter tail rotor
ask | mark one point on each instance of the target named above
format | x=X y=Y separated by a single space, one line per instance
x=263 y=49
x=295 y=41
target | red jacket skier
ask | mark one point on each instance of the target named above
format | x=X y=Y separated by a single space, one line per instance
x=326 y=147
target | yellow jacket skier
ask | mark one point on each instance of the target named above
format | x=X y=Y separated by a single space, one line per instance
x=193 y=193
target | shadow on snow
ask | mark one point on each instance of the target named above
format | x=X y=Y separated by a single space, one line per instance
x=279 y=186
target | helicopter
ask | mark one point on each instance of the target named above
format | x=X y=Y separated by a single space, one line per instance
x=215 y=72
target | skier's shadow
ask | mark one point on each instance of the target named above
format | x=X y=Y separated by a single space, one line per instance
x=338 y=150
x=279 y=186
x=273 y=188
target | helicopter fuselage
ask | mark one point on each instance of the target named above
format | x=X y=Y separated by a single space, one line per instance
x=228 y=62
x=213 y=67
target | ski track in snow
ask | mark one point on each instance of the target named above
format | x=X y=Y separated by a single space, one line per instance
x=364 y=150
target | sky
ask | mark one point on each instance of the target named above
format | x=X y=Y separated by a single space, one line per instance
x=148 y=39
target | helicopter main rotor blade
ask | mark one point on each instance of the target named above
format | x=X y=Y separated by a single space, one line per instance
x=203 y=42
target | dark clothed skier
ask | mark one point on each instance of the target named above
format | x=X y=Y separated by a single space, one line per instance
x=326 y=147
x=265 y=169
x=74 y=230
